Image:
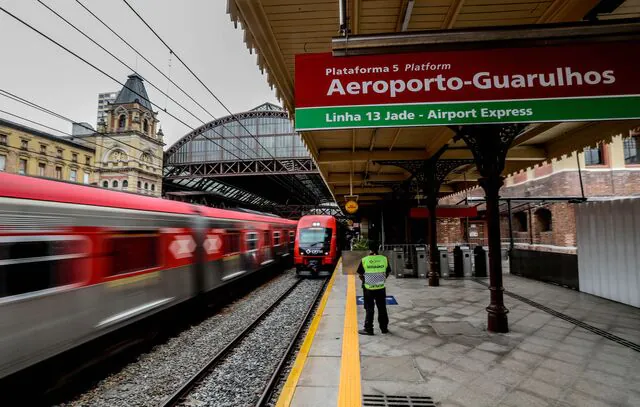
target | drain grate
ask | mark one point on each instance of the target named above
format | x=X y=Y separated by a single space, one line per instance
x=382 y=400
x=572 y=320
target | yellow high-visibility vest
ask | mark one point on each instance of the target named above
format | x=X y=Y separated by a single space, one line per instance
x=375 y=271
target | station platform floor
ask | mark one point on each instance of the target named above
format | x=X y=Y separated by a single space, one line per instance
x=564 y=348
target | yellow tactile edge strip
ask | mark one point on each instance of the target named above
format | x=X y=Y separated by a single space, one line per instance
x=289 y=388
x=350 y=391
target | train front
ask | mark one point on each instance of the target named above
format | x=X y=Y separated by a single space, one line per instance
x=315 y=247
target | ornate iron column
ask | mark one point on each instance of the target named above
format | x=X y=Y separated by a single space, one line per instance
x=489 y=145
x=430 y=174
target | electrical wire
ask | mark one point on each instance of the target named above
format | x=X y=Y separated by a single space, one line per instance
x=94 y=167
x=119 y=60
x=198 y=79
x=107 y=75
x=33 y=105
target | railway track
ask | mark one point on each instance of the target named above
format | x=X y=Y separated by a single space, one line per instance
x=204 y=388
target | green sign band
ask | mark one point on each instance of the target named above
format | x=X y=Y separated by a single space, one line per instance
x=483 y=112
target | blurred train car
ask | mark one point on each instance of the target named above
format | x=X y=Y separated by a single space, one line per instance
x=318 y=245
x=77 y=262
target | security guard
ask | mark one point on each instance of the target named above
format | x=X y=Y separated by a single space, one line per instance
x=374 y=270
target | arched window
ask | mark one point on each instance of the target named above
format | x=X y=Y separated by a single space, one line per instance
x=153 y=187
x=114 y=183
x=145 y=126
x=520 y=223
x=122 y=120
x=146 y=185
x=125 y=184
x=139 y=184
x=543 y=220
x=105 y=184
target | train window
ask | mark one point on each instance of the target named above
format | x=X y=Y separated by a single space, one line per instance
x=29 y=264
x=252 y=241
x=134 y=252
x=276 y=238
x=292 y=235
x=232 y=243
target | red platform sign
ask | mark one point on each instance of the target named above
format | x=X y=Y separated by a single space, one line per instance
x=558 y=83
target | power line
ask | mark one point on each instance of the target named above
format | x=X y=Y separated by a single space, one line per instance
x=178 y=87
x=109 y=76
x=119 y=60
x=197 y=78
x=33 y=105
x=144 y=58
x=95 y=168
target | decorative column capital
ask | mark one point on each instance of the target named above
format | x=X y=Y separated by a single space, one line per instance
x=489 y=144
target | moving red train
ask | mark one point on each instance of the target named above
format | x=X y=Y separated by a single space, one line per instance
x=77 y=262
x=318 y=245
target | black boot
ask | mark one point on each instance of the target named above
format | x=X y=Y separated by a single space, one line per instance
x=365 y=332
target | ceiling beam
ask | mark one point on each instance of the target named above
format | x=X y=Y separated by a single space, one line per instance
x=519 y=153
x=362 y=190
x=343 y=177
x=395 y=138
x=452 y=14
x=567 y=10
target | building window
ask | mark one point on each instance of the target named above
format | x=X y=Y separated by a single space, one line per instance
x=146 y=185
x=114 y=183
x=24 y=144
x=74 y=157
x=632 y=150
x=87 y=160
x=145 y=126
x=543 y=220
x=43 y=149
x=23 y=167
x=139 y=184
x=105 y=184
x=73 y=175
x=59 y=153
x=520 y=223
x=3 y=139
x=125 y=184
x=85 y=178
x=41 y=169
x=122 y=120
x=153 y=187
x=59 y=172
x=593 y=156
x=3 y=162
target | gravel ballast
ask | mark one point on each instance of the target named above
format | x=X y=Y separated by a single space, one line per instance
x=242 y=376
x=160 y=372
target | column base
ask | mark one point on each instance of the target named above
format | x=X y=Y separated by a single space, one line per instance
x=497 y=320
x=434 y=279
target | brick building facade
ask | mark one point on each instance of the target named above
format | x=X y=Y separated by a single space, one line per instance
x=607 y=170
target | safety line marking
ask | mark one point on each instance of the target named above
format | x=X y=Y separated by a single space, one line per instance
x=289 y=388
x=350 y=391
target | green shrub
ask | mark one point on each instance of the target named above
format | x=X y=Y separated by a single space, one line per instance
x=361 y=244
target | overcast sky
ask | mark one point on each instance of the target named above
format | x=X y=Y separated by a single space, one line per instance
x=199 y=31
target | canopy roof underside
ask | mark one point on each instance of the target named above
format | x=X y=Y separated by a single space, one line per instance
x=280 y=29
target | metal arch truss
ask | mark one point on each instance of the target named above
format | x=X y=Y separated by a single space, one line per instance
x=266 y=114
x=219 y=169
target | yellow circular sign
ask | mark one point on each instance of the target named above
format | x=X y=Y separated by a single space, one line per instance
x=351 y=206
x=350 y=222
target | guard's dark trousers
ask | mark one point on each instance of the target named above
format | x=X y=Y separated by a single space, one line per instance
x=377 y=297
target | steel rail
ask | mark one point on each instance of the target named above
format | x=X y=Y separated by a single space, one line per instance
x=193 y=381
x=273 y=381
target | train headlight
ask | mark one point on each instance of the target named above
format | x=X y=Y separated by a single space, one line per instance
x=326 y=253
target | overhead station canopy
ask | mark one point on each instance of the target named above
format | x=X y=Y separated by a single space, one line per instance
x=253 y=159
x=281 y=29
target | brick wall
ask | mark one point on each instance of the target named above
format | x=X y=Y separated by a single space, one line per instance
x=450 y=230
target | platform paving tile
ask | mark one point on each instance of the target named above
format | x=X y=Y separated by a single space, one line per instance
x=543 y=361
x=306 y=396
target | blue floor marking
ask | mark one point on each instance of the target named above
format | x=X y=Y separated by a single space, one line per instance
x=391 y=300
